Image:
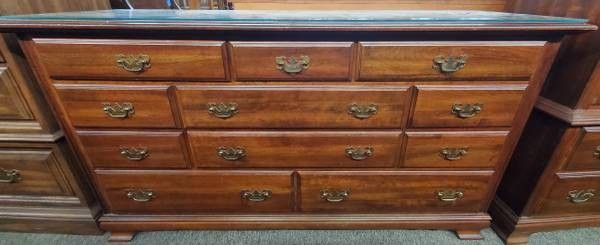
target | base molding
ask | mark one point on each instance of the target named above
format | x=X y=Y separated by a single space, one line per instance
x=67 y=220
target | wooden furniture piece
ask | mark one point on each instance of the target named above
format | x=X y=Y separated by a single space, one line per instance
x=296 y=120
x=553 y=179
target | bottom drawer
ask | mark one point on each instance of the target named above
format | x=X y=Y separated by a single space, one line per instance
x=196 y=191
x=573 y=193
x=393 y=191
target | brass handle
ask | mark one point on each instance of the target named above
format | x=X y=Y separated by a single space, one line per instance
x=231 y=153
x=256 y=196
x=597 y=152
x=581 y=196
x=358 y=153
x=449 y=195
x=331 y=195
x=453 y=154
x=223 y=110
x=449 y=64
x=362 y=111
x=133 y=63
x=292 y=65
x=140 y=195
x=135 y=154
x=466 y=110
x=9 y=176
x=116 y=110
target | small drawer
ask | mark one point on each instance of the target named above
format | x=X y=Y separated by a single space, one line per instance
x=132 y=59
x=282 y=61
x=292 y=106
x=448 y=60
x=572 y=193
x=586 y=155
x=118 y=106
x=134 y=149
x=453 y=149
x=12 y=104
x=241 y=149
x=466 y=106
x=177 y=192
x=393 y=191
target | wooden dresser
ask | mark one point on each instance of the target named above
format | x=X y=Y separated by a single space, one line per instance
x=303 y=120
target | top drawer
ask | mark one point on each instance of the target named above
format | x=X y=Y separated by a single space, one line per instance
x=448 y=60
x=132 y=59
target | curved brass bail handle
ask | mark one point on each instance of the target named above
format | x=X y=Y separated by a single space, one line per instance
x=449 y=64
x=118 y=110
x=449 y=195
x=358 y=153
x=453 y=154
x=223 y=110
x=141 y=195
x=133 y=63
x=231 y=153
x=597 y=152
x=334 y=195
x=256 y=196
x=292 y=65
x=362 y=111
x=466 y=110
x=135 y=154
x=9 y=176
x=581 y=196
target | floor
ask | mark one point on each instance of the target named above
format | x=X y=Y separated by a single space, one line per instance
x=588 y=236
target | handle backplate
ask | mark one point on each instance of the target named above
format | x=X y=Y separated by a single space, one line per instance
x=332 y=195
x=449 y=195
x=118 y=110
x=135 y=153
x=449 y=64
x=292 y=65
x=581 y=196
x=362 y=111
x=255 y=195
x=141 y=195
x=231 y=153
x=9 y=176
x=453 y=154
x=223 y=110
x=466 y=110
x=359 y=153
x=133 y=63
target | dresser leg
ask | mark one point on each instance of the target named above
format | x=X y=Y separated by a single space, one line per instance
x=469 y=234
x=121 y=236
x=517 y=238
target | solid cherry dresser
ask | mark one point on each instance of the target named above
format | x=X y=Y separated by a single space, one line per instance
x=292 y=120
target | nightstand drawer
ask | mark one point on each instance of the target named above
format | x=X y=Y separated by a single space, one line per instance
x=572 y=193
x=586 y=154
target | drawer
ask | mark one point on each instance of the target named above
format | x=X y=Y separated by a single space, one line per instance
x=572 y=193
x=131 y=59
x=177 y=192
x=12 y=103
x=448 y=60
x=292 y=106
x=134 y=149
x=294 y=149
x=117 y=106
x=453 y=149
x=586 y=154
x=393 y=191
x=291 y=60
x=466 y=106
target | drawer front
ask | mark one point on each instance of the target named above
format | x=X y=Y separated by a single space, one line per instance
x=177 y=192
x=586 y=155
x=291 y=60
x=292 y=106
x=572 y=194
x=453 y=149
x=448 y=60
x=12 y=103
x=116 y=106
x=294 y=149
x=134 y=149
x=460 y=106
x=389 y=191
x=131 y=59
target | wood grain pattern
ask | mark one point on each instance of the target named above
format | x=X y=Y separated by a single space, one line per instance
x=585 y=155
x=557 y=203
x=12 y=105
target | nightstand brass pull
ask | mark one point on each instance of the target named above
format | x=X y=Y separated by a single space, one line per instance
x=449 y=195
x=362 y=111
x=231 y=153
x=223 y=110
x=135 y=154
x=292 y=65
x=256 y=196
x=466 y=110
x=453 y=154
x=449 y=64
x=359 y=153
x=581 y=196
x=117 y=110
x=597 y=152
x=133 y=63
x=331 y=195
x=9 y=176
x=140 y=195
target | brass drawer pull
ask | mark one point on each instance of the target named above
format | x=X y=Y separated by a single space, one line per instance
x=362 y=111
x=116 y=110
x=453 y=154
x=358 y=153
x=581 y=196
x=331 y=195
x=597 y=152
x=223 y=110
x=256 y=196
x=140 y=195
x=231 y=153
x=292 y=65
x=449 y=195
x=466 y=110
x=9 y=176
x=449 y=64
x=133 y=63
x=135 y=154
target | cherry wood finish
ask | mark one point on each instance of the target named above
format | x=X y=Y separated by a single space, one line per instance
x=557 y=201
x=12 y=105
x=586 y=155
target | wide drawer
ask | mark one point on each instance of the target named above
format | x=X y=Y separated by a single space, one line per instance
x=572 y=193
x=453 y=149
x=134 y=149
x=292 y=106
x=294 y=149
x=291 y=60
x=117 y=106
x=448 y=60
x=177 y=192
x=466 y=106
x=131 y=59
x=586 y=154
x=393 y=191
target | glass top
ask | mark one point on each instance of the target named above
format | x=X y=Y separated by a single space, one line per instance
x=348 y=17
